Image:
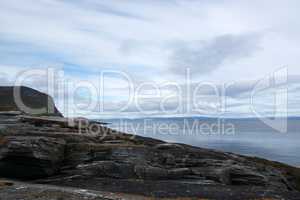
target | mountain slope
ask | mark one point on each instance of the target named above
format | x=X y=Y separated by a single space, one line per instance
x=12 y=98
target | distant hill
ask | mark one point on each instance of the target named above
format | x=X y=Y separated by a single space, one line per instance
x=31 y=98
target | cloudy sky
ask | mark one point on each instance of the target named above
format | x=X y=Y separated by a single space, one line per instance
x=157 y=58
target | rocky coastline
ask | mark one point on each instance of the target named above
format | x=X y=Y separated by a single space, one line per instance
x=47 y=157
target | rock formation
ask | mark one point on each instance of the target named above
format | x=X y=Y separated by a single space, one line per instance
x=57 y=153
x=13 y=99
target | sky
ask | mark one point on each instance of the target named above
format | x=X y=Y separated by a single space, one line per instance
x=137 y=58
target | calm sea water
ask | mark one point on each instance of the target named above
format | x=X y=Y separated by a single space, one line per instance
x=243 y=136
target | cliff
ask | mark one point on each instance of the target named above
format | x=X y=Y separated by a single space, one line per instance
x=32 y=99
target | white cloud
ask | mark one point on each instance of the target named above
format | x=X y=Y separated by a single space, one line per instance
x=138 y=37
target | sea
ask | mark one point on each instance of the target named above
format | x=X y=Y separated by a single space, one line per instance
x=276 y=139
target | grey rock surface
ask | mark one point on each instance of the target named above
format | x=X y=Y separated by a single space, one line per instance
x=66 y=156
